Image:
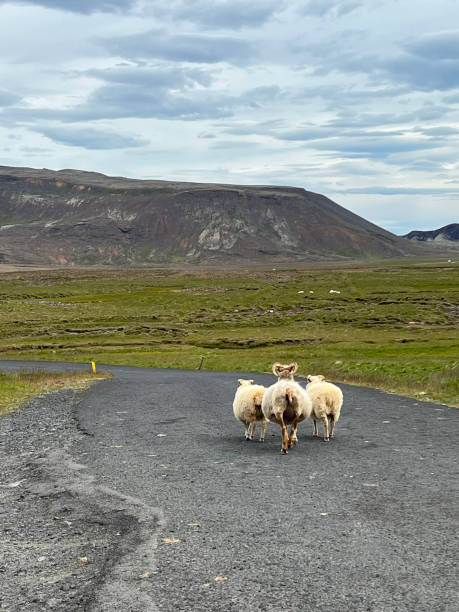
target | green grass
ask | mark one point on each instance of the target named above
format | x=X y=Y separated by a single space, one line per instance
x=393 y=325
x=17 y=387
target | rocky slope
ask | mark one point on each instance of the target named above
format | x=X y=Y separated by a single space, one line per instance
x=70 y=217
x=447 y=236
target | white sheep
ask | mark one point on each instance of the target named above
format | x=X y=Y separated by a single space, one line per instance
x=327 y=400
x=247 y=407
x=286 y=403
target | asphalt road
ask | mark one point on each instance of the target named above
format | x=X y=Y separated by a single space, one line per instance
x=365 y=522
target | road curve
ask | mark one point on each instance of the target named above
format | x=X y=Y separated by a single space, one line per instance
x=365 y=522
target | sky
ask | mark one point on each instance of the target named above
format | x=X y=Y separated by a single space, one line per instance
x=354 y=99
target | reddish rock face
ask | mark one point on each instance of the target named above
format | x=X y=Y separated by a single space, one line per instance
x=72 y=217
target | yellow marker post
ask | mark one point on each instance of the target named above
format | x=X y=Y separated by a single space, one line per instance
x=93 y=363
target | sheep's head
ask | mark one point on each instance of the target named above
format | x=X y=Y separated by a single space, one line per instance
x=285 y=372
x=314 y=379
x=243 y=382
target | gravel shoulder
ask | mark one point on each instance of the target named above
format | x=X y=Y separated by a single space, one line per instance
x=67 y=543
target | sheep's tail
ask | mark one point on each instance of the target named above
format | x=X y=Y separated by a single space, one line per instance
x=258 y=398
x=289 y=395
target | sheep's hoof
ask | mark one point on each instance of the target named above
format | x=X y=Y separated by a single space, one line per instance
x=262 y=439
x=284 y=451
x=326 y=439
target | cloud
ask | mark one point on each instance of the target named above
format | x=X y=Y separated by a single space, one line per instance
x=153 y=77
x=437 y=46
x=374 y=146
x=422 y=74
x=193 y=48
x=7 y=98
x=165 y=93
x=335 y=8
x=452 y=98
x=79 y=6
x=90 y=138
x=430 y=62
x=352 y=139
x=224 y=14
x=425 y=63
x=401 y=191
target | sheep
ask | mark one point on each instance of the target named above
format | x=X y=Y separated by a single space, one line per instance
x=247 y=407
x=327 y=400
x=286 y=403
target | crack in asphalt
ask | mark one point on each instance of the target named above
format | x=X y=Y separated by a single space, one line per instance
x=120 y=583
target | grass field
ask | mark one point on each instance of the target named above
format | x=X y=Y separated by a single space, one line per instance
x=19 y=386
x=393 y=325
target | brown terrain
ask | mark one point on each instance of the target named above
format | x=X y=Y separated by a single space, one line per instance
x=71 y=217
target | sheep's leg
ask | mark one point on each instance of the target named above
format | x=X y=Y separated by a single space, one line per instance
x=293 y=439
x=316 y=431
x=263 y=429
x=254 y=424
x=247 y=428
x=332 y=426
x=280 y=418
x=325 y=422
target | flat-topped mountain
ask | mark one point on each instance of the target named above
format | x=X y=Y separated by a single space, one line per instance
x=71 y=217
x=445 y=236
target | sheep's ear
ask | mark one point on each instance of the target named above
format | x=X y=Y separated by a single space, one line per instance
x=309 y=377
x=275 y=368
x=240 y=381
x=250 y=382
x=293 y=367
x=320 y=377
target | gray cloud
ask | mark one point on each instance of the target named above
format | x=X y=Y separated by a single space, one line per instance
x=422 y=74
x=90 y=138
x=337 y=8
x=224 y=14
x=401 y=191
x=161 y=76
x=7 y=98
x=123 y=101
x=442 y=131
x=353 y=118
x=452 y=98
x=351 y=138
x=79 y=6
x=429 y=62
x=195 y=48
x=373 y=147
x=166 y=93
x=236 y=145
x=437 y=46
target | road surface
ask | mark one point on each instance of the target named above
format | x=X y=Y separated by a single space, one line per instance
x=365 y=522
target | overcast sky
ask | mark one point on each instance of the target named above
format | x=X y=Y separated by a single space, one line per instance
x=354 y=99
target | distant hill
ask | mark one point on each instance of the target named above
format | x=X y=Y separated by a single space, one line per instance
x=447 y=236
x=71 y=217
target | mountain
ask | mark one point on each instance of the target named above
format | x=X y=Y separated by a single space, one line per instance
x=71 y=217
x=447 y=236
